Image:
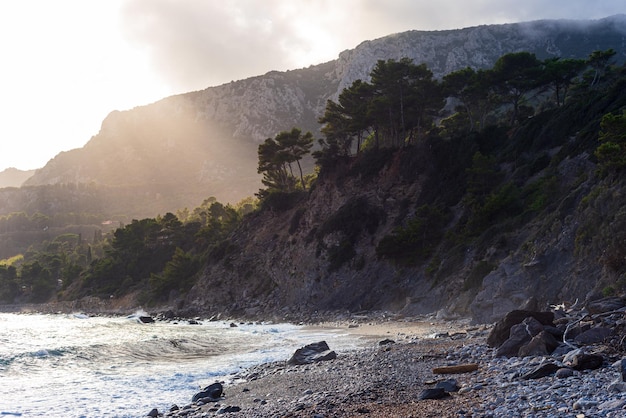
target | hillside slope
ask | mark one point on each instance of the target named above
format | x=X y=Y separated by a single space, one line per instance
x=551 y=229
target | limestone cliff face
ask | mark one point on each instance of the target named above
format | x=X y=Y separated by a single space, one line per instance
x=207 y=138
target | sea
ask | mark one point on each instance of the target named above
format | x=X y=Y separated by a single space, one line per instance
x=75 y=365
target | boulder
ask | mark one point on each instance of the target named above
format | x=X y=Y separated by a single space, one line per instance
x=211 y=393
x=593 y=335
x=501 y=331
x=541 y=344
x=312 y=353
x=519 y=336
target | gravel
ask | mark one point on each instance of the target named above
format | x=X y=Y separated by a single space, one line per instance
x=387 y=381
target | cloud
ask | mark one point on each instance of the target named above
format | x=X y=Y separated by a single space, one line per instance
x=198 y=43
x=194 y=44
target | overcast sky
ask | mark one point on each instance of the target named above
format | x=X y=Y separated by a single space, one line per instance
x=67 y=63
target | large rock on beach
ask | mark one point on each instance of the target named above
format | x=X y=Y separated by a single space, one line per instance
x=312 y=353
x=211 y=393
x=501 y=331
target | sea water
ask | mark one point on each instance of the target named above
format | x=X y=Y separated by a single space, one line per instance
x=81 y=366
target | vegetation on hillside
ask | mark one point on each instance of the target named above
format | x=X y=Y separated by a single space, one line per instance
x=493 y=139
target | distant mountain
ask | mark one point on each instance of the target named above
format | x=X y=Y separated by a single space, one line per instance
x=204 y=143
x=12 y=177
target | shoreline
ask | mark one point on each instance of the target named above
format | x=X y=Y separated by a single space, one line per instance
x=378 y=380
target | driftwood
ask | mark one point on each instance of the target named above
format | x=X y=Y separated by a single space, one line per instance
x=461 y=368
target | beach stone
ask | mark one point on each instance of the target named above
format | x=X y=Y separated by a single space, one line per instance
x=584 y=403
x=312 y=353
x=584 y=361
x=617 y=386
x=564 y=373
x=228 y=410
x=449 y=385
x=543 y=370
x=386 y=341
x=501 y=331
x=622 y=369
x=593 y=335
x=612 y=405
x=433 y=393
x=154 y=413
x=210 y=393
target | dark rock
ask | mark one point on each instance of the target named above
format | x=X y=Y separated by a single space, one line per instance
x=233 y=325
x=541 y=344
x=564 y=373
x=449 y=385
x=593 y=335
x=543 y=370
x=510 y=347
x=604 y=305
x=154 y=413
x=434 y=393
x=500 y=332
x=561 y=350
x=386 y=342
x=584 y=361
x=228 y=410
x=211 y=393
x=146 y=319
x=555 y=331
x=312 y=353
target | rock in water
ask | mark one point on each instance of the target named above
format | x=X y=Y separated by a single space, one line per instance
x=312 y=353
x=211 y=393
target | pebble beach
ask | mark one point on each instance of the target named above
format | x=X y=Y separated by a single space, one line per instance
x=404 y=362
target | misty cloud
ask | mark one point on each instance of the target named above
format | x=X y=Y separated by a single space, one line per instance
x=195 y=44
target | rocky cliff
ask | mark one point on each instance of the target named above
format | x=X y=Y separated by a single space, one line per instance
x=205 y=142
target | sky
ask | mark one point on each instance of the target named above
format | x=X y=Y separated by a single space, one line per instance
x=66 y=64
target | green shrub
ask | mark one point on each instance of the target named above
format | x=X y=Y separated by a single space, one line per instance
x=281 y=201
x=354 y=217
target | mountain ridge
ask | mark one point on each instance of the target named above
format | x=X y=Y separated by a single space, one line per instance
x=243 y=113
